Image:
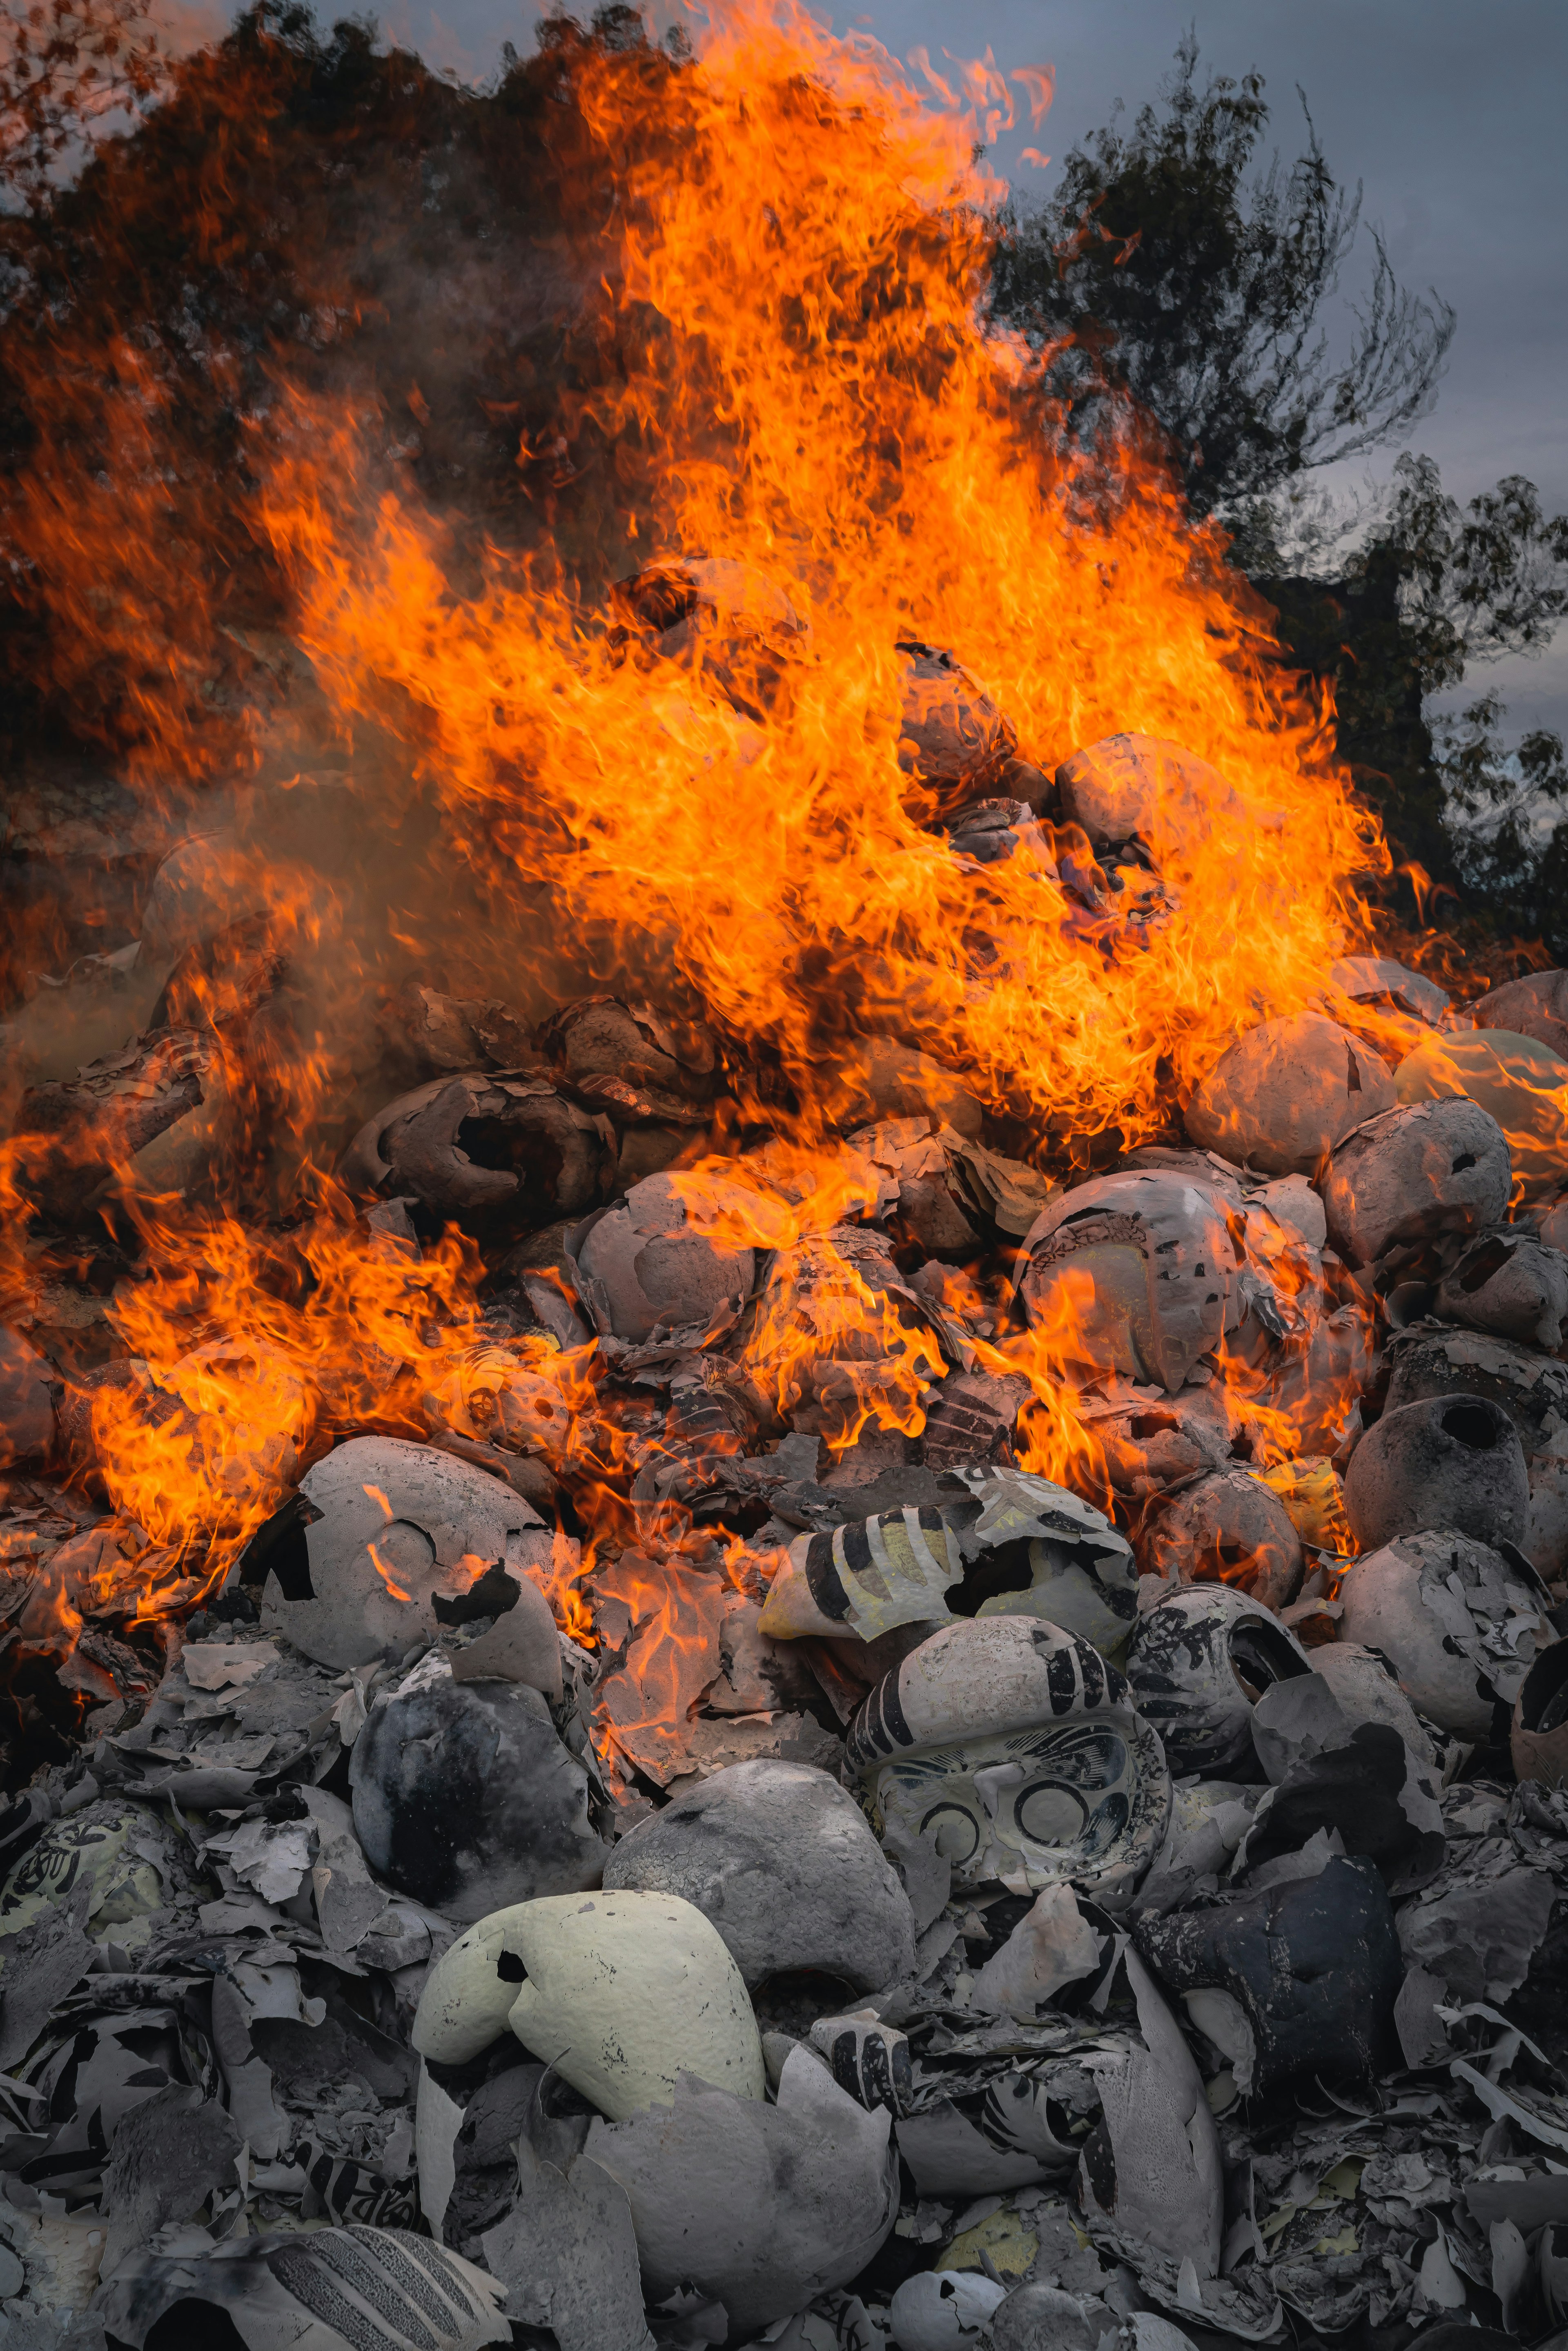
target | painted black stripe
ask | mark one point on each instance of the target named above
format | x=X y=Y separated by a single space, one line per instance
x=822 y=1578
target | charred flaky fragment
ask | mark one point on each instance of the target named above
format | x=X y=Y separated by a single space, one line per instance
x=1198 y=1663
x=971 y=1420
x=949 y=1194
x=352 y=2287
x=1227 y=1527
x=1538 y=1740
x=502 y=1146
x=1450 y=1461
x=1151 y=2172
x=1377 y=979
x=1286 y=1093
x=1010 y=1749
x=1153 y=1443
x=1510 y=1282
x=1413 y=1172
x=877 y=1078
x=780 y=1859
x=1363 y=1688
x=425 y=1031
x=654 y=1075
x=464 y=1795
x=28 y=1387
x=1140 y=1267
x=1298 y=1977
x=867 y=2058
x=75 y=1135
x=1460 y=1623
x=1349 y=1787
x=952 y=738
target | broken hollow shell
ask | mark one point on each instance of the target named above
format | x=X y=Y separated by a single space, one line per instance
x=1154 y=1251
x=1286 y=1093
x=1198 y=1663
x=779 y=1857
x=1227 y=1527
x=1538 y=1741
x=1450 y=1461
x=376 y=2289
x=1523 y=1085
x=952 y=734
x=1413 y=1172
x=670 y=1255
x=1535 y=1006
x=1007 y=1748
x=378 y=1529
x=1299 y=1978
x=620 y=1991
x=758 y=2207
x=1510 y=1282
x=1460 y=1624
x=1014 y=1545
x=464 y=1792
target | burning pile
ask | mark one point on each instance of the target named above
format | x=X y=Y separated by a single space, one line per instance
x=787 y=1467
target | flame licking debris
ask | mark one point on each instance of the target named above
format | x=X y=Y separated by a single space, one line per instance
x=719 y=1098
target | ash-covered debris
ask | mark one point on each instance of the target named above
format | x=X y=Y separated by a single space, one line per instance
x=898 y=1737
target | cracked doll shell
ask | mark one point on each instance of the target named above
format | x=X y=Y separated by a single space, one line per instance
x=1444 y=1461
x=1460 y=1623
x=1143 y=785
x=378 y=1528
x=1298 y=1977
x=1010 y=1749
x=465 y=1792
x=1413 y=1172
x=1227 y=1527
x=620 y=1991
x=1522 y=1083
x=670 y=1255
x=1538 y=1740
x=953 y=737
x=1162 y=1269
x=1198 y=1663
x=1285 y=1093
x=500 y=1146
x=758 y=2207
x=1510 y=1282
x=1014 y=1545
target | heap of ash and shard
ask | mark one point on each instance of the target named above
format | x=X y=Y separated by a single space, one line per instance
x=888 y=1897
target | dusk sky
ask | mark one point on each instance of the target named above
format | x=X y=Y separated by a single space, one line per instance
x=1450 y=113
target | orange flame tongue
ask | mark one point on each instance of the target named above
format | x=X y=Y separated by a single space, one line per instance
x=804 y=400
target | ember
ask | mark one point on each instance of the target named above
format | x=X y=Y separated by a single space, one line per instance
x=782 y=1581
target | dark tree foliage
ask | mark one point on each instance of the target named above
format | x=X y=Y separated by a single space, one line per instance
x=1433 y=589
x=66 y=67
x=1175 y=268
x=1508 y=824
x=1184 y=286
x=301 y=208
